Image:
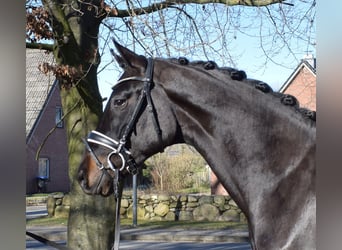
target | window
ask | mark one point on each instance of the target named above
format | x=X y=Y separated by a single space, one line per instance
x=44 y=168
x=59 y=115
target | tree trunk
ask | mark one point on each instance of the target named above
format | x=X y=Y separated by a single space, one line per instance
x=91 y=218
x=161 y=183
x=76 y=27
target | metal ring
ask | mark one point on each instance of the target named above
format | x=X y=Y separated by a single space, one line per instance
x=110 y=163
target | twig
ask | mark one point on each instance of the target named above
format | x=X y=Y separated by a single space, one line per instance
x=53 y=129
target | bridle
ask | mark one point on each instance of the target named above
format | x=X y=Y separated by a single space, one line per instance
x=118 y=148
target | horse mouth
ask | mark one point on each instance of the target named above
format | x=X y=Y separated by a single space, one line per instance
x=102 y=186
x=104 y=191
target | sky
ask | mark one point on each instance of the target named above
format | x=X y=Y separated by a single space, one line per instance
x=250 y=58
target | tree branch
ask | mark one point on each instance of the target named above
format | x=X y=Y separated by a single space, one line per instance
x=113 y=12
x=44 y=46
x=53 y=129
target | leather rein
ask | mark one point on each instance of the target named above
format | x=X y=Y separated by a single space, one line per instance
x=119 y=147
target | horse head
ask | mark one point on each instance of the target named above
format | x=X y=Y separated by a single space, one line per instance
x=137 y=122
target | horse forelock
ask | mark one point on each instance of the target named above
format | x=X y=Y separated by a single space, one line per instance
x=240 y=77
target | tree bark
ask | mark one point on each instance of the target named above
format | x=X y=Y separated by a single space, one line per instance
x=91 y=218
x=76 y=27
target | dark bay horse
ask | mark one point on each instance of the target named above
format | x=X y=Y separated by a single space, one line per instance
x=260 y=144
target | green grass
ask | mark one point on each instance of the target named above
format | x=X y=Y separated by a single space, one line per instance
x=127 y=223
x=185 y=224
x=195 y=190
x=47 y=221
x=38 y=195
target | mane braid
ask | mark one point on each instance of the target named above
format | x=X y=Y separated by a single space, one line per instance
x=241 y=76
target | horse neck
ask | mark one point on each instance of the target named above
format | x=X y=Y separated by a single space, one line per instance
x=240 y=131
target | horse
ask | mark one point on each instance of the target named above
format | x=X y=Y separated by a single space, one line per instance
x=260 y=144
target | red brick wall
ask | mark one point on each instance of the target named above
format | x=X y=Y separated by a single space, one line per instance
x=303 y=87
x=55 y=149
x=215 y=186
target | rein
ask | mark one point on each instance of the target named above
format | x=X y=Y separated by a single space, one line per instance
x=118 y=147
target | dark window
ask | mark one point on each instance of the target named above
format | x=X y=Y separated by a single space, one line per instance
x=44 y=168
x=59 y=115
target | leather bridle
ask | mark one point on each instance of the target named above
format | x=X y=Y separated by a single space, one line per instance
x=119 y=147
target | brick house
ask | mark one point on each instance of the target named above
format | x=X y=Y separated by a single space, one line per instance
x=301 y=84
x=44 y=129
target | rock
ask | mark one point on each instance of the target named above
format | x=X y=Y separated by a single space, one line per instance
x=173 y=205
x=174 y=197
x=122 y=211
x=51 y=205
x=232 y=203
x=140 y=212
x=163 y=197
x=57 y=195
x=192 y=198
x=206 y=212
x=142 y=201
x=58 y=201
x=192 y=204
x=206 y=200
x=124 y=203
x=66 y=200
x=219 y=200
x=185 y=215
x=156 y=218
x=183 y=198
x=170 y=216
x=161 y=209
x=62 y=211
x=149 y=208
x=145 y=197
x=230 y=215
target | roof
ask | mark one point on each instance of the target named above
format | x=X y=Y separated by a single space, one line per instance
x=304 y=63
x=38 y=86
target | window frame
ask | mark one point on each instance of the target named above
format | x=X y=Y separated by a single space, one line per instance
x=44 y=173
x=58 y=118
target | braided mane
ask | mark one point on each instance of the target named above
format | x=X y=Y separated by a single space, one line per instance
x=240 y=75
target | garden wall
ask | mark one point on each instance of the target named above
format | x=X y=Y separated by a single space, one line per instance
x=165 y=207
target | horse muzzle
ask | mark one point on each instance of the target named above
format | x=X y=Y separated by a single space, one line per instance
x=97 y=173
x=94 y=181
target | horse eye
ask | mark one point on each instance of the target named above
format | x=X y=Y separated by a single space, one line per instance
x=119 y=102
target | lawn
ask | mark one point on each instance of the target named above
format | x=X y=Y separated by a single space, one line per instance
x=126 y=223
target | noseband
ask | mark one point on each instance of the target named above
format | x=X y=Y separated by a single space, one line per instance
x=118 y=147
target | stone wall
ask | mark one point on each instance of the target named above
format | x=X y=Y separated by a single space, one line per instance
x=58 y=205
x=36 y=201
x=166 y=207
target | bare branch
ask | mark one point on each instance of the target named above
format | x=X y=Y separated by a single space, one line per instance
x=53 y=129
x=43 y=46
x=114 y=12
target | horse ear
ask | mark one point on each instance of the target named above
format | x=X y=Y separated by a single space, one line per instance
x=128 y=58
x=122 y=63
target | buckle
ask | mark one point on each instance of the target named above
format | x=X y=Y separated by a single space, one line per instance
x=131 y=166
